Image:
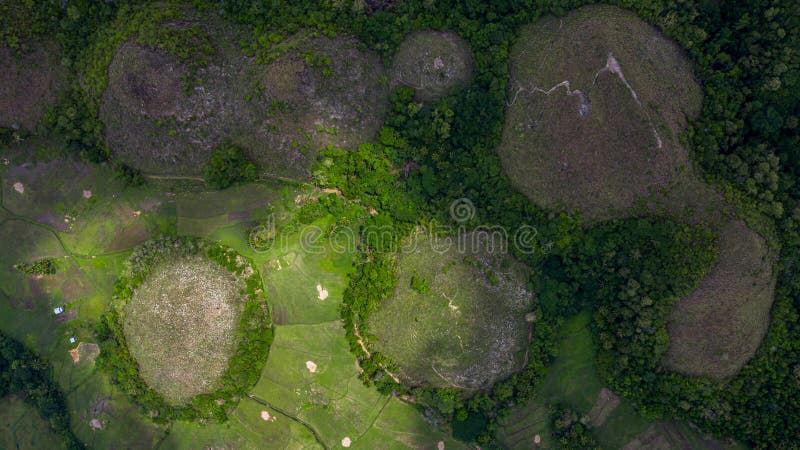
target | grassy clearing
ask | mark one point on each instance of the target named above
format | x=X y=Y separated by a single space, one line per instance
x=94 y=398
x=718 y=328
x=29 y=84
x=86 y=204
x=332 y=401
x=200 y=214
x=456 y=318
x=22 y=428
x=573 y=380
x=432 y=63
x=179 y=326
x=293 y=274
x=609 y=146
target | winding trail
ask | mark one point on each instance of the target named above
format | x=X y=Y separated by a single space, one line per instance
x=369 y=355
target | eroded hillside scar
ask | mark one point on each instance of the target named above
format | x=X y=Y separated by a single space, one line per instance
x=612 y=66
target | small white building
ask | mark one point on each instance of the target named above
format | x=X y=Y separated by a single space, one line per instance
x=58 y=310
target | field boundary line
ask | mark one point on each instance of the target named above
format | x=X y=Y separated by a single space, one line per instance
x=290 y=417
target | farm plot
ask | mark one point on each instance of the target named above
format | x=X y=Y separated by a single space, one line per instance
x=306 y=285
x=55 y=192
x=201 y=213
x=572 y=380
x=311 y=376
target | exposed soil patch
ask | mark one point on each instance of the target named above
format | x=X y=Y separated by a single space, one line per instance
x=606 y=403
x=311 y=366
x=85 y=352
x=29 y=84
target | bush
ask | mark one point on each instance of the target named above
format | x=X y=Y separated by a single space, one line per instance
x=228 y=166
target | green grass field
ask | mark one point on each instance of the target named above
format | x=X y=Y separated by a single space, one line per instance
x=312 y=376
x=304 y=409
x=22 y=428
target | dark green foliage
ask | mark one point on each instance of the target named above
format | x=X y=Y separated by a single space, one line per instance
x=254 y=334
x=23 y=372
x=23 y=21
x=468 y=426
x=634 y=271
x=420 y=285
x=228 y=166
x=46 y=266
x=128 y=175
x=570 y=432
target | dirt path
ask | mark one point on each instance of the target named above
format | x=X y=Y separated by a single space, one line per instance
x=173 y=177
x=369 y=355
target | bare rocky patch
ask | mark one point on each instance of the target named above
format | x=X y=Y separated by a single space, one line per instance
x=321 y=91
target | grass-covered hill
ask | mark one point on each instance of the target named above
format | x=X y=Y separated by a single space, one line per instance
x=207 y=212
